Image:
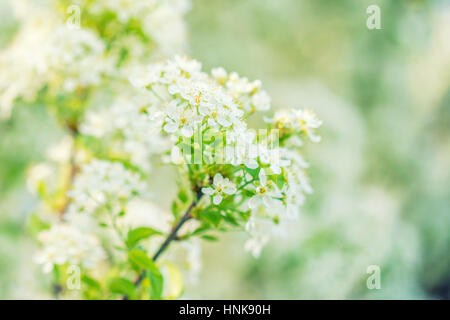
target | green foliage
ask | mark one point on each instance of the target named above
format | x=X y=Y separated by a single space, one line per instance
x=122 y=286
x=138 y=234
x=141 y=262
x=156 y=283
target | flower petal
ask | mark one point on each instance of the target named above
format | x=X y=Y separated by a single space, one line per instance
x=217 y=199
x=209 y=191
x=170 y=127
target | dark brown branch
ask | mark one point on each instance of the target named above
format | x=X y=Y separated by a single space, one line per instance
x=171 y=237
x=72 y=127
x=73 y=172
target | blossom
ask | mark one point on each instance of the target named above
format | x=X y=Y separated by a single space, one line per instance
x=298 y=185
x=101 y=183
x=241 y=86
x=127 y=131
x=64 y=244
x=221 y=186
x=259 y=231
x=266 y=192
x=220 y=74
x=48 y=52
x=180 y=117
x=241 y=149
x=261 y=101
x=300 y=120
x=191 y=103
x=306 y=121
x=191 y=100
x=272 y=156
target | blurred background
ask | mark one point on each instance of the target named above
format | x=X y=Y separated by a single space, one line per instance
x=381 y=174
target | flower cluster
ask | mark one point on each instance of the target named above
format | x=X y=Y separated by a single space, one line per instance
x=103 y=183
x=127 y=132
x=230 y=175
x=67 y=51
x=159 y=20
x=291 y=120
x=76 y=57
x=260 y=174
x=65 y=244
x=45 y=53
x=189 y=98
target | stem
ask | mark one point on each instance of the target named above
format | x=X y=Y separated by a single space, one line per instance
x=172 y=236
x=73 y=172
x=73 y=129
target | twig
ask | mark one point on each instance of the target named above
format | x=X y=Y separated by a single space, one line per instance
x=172 y=236
x=73 y=130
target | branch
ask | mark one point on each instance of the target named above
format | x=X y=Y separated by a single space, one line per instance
x=172 y=236
x=73 y=172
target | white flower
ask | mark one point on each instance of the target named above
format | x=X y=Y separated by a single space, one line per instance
x=301 y=120
x=191 y=100
x=243 y=150
x=102 y=182
x=272 y=156
x=221 y=186
x=64 y=244
x=125 y=129
x=220 y=75
x=48 y=51
x=181 y=117
x=298 y=184
x=259 y=231
x=176 y=156
x=241 y=86
x=261 y=101
x=307 y=121
x=267 y=193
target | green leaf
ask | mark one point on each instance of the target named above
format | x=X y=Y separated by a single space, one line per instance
x=247 y=193
x=231 y=220
x=253 y=172
x=183 y=196
x=156 y=284
x=138 y=234
x=175 y=208
x=201 y=229
x=279 y=181
x=122 y=286
x=140 y=260
x=212 y=217
x=209 y=238
x=90 y=282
